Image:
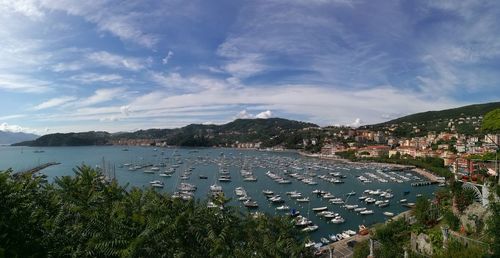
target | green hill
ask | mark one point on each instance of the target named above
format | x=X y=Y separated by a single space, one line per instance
x=270 y=132
x=69 y=139
x=466 y=120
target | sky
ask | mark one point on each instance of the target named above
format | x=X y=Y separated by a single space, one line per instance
x=71 y=66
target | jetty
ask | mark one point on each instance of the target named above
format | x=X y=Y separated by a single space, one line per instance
x=341 y=248
x=35 y=169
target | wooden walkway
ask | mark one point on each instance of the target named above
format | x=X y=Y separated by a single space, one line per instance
x=340 y=248
x=35 y=169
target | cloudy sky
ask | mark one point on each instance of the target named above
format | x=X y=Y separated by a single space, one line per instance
x=123 y=65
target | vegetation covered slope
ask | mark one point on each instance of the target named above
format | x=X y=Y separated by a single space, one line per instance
x=270 y=132
x=84 y=216
x=465 y=120
x=69 y=139
x=491 y=122
x=453 y=113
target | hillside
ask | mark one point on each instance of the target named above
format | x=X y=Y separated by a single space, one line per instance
x=466 y=120
x=7 y=137
x=271 y=132
x=69 y=139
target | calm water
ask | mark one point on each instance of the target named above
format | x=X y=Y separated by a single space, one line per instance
x=206 y=161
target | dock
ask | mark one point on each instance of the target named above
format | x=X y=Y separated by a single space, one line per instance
x=340 y=248
x=35 y=169
x=431 y=177
x=423 y=183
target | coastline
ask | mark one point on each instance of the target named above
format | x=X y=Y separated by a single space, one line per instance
x=431 y=177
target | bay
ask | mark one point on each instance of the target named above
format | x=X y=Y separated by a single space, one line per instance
x=207 y=162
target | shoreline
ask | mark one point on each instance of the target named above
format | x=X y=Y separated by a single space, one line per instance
x=431 y=177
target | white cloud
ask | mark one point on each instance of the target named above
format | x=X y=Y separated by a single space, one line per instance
x=244 y=115
x=119 y=62
x=16 y=128
x=22 y=83
x=357 y=122
x=125 y=110
x=94 y=77
x=119 y=20
x=54 y=102
x=265 y=115
x=167 y=57
x=101 y=96
x=28 y=8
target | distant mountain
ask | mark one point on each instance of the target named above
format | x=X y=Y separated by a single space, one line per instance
x=464 y=119
x=7 y=137
x=270 y=132
x=69 y=139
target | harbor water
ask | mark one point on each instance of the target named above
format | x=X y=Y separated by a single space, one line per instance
x=206 y=165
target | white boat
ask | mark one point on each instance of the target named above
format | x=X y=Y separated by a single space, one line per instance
x=366 y=212
x=324 y=208
x=282 y=208
x=403 y=200
x=310 y=228
x=351 y=232
x=388 y=214
x=305 y=199
x=338 y=220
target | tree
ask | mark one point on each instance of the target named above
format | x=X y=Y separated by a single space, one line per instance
x=491 y=122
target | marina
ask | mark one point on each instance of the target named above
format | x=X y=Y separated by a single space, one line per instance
x=325 y=198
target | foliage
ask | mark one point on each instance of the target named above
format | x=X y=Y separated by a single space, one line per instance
x=463 y=198
x=85 y=216
x=361 y=249
x=392 y=236
x=423 y=211
x=494 y=227
x=451 y=220
x=491 y=122
x=270 y=132
x=69 y=139
x=457 y=249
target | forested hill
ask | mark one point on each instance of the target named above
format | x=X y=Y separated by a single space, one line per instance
x=271 y=132
x=69 y=139
x=453 y=113
x=466 y=120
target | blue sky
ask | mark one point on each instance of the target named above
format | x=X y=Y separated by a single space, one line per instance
x=125 y=65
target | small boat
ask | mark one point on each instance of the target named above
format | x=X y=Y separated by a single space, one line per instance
x=310 y=244
x=403 y=200
x=267 y=192
x=324 y=240
x=338 y=220
x=318 y=209
x=351 y=193
x=305 y=199
x=366 y=212
x=282 y=208
x=350 y=232
x=251 y=204
x=333 y=238
x=363 y=230
x=203 y=177
x=165 y=175
x=310 y=228
x=388 y=214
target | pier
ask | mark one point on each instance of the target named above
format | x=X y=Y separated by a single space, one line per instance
x=341 y=248
x=35 y=169
x=423 y=183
